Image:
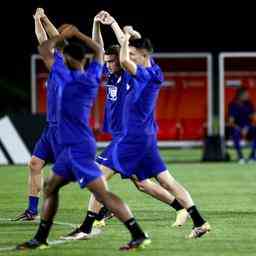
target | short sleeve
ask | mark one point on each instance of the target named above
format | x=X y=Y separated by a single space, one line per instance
x=156 y=74
x=142 y=75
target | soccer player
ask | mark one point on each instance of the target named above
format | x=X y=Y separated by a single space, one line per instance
x=140 y=128
x=241 y=121
x=76 y=162
x=47 y=147
x=134 y=152
x=117 y=86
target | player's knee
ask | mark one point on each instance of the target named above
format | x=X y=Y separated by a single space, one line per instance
x=46 y=188
x=167 y=182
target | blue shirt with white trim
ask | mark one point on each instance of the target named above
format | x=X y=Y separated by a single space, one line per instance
x=116 y=86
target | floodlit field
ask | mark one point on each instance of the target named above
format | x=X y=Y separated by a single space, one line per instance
x=225 y=193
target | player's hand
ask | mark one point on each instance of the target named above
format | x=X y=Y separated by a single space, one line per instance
x=39 y=13
x=68 y=31
x=99 y=16
x=107 y=19
x=128 y=29
x=134 y=34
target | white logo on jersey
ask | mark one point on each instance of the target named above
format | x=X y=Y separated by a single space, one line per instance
x=128 y=87
x=81 y=180
x=112 y=92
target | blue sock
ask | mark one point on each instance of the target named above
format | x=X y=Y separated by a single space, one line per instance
x=33 y=204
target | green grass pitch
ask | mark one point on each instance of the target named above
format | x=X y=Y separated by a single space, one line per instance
x=225 y=193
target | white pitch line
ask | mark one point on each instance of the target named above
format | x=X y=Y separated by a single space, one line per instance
x=37 y=221
x=66 y=224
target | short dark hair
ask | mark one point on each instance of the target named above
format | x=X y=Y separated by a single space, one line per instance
x=113 y=50
x=75 y=50
x=142 y=43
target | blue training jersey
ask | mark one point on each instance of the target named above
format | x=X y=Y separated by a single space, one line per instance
x=141 y=101
x=58 y=74
x=241 y=113
x=116 y=87
x=78 y=96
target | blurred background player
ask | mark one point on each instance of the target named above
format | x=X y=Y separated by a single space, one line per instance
x=76 y=161
x=241 y=120
x=46 y=148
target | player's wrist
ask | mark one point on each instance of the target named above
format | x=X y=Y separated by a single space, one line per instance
x=112 y=23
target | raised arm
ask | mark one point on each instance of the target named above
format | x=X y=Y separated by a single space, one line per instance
x=96 y=48
x=96 y=32
x=50 y=29
x=107 y=19
x=39 y=29
x=125 y=60
x=46 y=49
x=118 y=31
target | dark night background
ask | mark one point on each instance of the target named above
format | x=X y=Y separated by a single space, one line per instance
x=172 y=26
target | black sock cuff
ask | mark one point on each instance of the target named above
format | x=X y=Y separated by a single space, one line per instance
x=88 y=222
x=102 y=213
x=43 y=230
x=195 y=216
x=176 y=205
x=191 y=209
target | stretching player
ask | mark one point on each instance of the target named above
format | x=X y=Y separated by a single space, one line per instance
x=76 y=161
x=46 y=148
x=116 y=84
x=135 y=163
x=140 y=126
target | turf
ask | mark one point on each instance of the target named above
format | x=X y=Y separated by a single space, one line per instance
x=225 y=193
